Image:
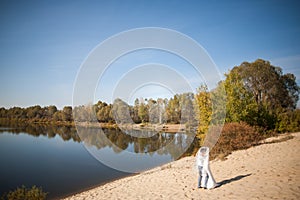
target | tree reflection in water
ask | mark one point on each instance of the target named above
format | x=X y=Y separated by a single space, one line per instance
x=119 y=141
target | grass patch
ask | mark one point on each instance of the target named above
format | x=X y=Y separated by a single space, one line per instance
x=23 y=193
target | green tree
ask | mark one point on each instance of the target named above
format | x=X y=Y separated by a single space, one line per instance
x=289 y=81
x=219 y=101
x=257 y=92
x=240 y=103
x=135 y=111
x=268 y=85
x=3 y=112
x=288 y=121
x=173 y=110
x=143 y=111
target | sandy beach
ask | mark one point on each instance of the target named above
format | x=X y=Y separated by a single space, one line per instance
x=267 y=171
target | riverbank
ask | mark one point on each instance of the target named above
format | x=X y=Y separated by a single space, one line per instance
x=267 y=171
x=170 y=128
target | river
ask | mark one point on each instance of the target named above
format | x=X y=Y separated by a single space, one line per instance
x=62 y=163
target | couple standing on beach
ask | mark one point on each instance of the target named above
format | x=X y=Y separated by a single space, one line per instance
x=206 y=179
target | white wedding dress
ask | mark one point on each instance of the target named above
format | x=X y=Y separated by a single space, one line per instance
x=203 y=162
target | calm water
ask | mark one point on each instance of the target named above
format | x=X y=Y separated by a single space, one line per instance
x=55 y=158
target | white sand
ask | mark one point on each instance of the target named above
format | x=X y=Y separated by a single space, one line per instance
x=268 y=171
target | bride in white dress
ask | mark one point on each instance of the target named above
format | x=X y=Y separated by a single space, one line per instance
x=206 y=179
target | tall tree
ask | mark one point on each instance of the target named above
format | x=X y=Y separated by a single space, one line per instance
x=240 y=101
x=121 y=111
x=67 y=113
x=34 y=112
x=268 y=85
x=174 y=110
x=135 y=111
x=187 y=108
x=161 y=106
x=143 y=111
x=50 y=110
x=203 y=108
x=258 y=91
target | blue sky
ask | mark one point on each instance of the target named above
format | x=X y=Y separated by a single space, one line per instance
x=44 y=43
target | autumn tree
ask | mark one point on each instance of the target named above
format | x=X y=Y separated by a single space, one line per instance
x=67 y=113
x=173 y=110
x=104 y=114
x=203 y=108
x=50 y=111
x=34 y=112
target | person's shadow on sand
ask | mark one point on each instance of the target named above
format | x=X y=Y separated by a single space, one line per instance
x=224 y=182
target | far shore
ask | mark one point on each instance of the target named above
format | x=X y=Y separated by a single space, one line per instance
x=170 y=128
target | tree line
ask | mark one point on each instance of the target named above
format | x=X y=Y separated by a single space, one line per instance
x=178 y=109
x=37 y=114
x=256 y=93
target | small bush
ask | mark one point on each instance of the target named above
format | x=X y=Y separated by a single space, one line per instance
x=235 y=136
x=23 y=193
x=288 y=121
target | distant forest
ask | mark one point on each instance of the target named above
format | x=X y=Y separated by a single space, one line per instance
x=257 y=93
x=143 y=111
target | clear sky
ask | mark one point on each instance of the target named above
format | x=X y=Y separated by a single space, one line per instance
x=43 y=43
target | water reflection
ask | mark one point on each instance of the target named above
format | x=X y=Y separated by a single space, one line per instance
x=160 y=142
x=65 y=132
x=60 y=167
x=56 y=160
x=120 y=141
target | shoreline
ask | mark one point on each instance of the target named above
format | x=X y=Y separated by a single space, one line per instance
x=170 y=128
x=257 y=172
